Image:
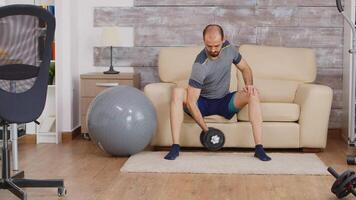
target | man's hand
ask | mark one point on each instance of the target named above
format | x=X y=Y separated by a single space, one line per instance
x=250 y=90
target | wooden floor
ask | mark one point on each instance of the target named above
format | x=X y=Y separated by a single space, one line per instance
x=89 y=174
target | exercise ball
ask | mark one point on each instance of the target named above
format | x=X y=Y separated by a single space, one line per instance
x=121 y=120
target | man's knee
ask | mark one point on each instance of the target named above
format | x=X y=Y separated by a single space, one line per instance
x=254 y=97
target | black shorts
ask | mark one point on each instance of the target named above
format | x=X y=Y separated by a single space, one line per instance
x=224 y=106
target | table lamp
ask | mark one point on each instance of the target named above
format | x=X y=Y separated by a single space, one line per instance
x=110 y=37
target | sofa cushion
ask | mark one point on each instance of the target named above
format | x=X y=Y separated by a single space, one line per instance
x=211 y=119
x=274 y=112
x=271 y=112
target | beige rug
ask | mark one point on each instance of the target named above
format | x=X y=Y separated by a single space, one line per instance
x=226 y=163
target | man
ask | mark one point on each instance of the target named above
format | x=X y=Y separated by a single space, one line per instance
x=208 y=91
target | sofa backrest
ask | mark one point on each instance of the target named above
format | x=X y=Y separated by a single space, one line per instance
x=280 y=63
x=175 y=63
x=277 y=71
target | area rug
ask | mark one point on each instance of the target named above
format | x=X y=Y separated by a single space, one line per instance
x=225 y=163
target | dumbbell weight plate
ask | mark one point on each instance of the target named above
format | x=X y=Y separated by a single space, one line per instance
x=346 y=186
x=339 y=181
x=202 y=134
x=214 y=140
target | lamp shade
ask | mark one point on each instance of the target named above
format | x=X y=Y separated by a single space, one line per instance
x=110 y=36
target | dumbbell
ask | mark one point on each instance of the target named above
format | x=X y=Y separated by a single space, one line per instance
x=351 y=160
x=344 y=183
x=213 y=140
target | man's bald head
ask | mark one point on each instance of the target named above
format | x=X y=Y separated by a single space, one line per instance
x=213 y=36
x=212 y=31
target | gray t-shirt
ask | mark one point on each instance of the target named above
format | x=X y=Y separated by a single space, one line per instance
x=213 y=76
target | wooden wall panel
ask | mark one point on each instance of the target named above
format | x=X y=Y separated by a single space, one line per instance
x=197 y=3
x=188 y=35
x=148 y=75
x=104 y=16
x=335 y=119
x=331 y=77
x=337 y=99
x=239 y=16
x=300 y=36
x=329 y=57
x=319 y=17
x=153 y=16
x=134 y=56
x=296 y=3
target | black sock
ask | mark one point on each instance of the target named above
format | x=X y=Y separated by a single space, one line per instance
x=260 y=153
x=173 y=153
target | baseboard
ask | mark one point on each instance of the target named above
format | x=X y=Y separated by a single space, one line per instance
x=27 y=139
x=69 y=136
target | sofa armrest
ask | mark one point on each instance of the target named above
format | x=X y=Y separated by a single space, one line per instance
x=315 y=104
x=160 y=95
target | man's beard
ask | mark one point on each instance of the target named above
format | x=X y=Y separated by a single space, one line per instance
x=214 y=54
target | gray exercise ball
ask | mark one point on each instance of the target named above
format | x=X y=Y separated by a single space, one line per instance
x=121 y=120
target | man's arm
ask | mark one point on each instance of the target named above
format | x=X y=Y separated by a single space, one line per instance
x=247 y=76
x=246 y=71
x=192 y=99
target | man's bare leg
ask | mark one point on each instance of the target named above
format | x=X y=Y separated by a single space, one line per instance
x=179 y=97
x=255 y=116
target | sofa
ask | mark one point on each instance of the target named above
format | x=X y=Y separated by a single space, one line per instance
x=295 y=110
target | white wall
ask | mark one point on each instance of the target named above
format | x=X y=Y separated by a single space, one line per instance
x=45 y=2
x=38 y=2
x=75 y=39
x=88 y=36
x=64 y=63
x=19 y=1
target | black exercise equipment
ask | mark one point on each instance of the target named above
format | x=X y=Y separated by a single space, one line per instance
x=351 y=159
x=344 y=183
x=213 y=140
x=26 y=34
